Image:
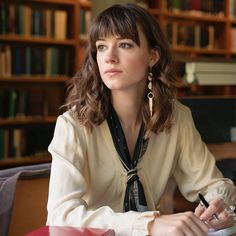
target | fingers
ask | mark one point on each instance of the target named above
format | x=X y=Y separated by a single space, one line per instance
x=199 y=210
x=216 y=207
x=196 y=226
x=180 y=224
x=224 y=221
x=215 y=215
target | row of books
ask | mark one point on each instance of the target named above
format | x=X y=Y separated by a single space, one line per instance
x=209 y=6
x=198 y=36
x=28 y=20
x=20 y=103
x=215 y=7
x=232 y=38
x=47 y=61
x=24 y=142
x=194 y=90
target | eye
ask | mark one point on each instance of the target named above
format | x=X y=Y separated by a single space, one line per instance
x=125 y=45
x=101 y=47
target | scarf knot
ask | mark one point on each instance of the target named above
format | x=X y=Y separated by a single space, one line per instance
x=132 y=176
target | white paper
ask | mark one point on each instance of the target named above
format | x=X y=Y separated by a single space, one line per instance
x=224 y=232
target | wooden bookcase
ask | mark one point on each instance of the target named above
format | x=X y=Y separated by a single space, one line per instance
x=203 y=35
x=199 y=31
x=203 y=29
x=40 y=49
x=48 y=88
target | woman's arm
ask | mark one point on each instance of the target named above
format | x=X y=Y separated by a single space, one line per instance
x=196 y=172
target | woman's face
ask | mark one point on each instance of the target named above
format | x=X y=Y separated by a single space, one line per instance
x=122 y=63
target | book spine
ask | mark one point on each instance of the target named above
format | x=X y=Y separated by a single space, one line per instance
x=12 y=19
x=27 y=20
x=20 y=20
x=175 y=5
x=8 y=59
x=1 y=143
x=3 y=18
x=196 y=5
x=6 y=141
x=211 y=37
x=12 y=104
x=197 y=36
x=60 y=24
x=48 y=20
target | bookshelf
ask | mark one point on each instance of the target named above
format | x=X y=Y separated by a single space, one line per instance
x=199 y=28
x=203 y=31
x=40 y=49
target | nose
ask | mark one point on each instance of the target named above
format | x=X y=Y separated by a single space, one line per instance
x=112 y=56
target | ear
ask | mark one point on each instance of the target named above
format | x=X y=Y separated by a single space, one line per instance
x=154 y=57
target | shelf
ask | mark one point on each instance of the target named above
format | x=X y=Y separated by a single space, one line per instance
x=233 y=20
x=28 y=121
x=34 y=73
x=83 y=40
x=196 y=91
x=62 y=2
x=200 y=97
x=223 y=150
x=33 y=79
x=193 y=17
x=210 y=27
x=36 y=40
x=14 y=162
x=189 y=16
x=86 y=4
x=192 y=50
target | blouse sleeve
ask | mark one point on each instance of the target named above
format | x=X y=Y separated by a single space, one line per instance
x=196 y=170
x=66 y=206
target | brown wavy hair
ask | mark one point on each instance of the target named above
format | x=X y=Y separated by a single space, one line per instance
x=89 y=98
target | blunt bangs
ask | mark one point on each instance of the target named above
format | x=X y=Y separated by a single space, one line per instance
x=115 y=21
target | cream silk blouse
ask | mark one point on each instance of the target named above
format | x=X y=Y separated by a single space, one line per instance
x=88 y=181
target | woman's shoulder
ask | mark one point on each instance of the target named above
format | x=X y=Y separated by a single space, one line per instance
x=69 y=116
x=181 y=111
x=69 y=119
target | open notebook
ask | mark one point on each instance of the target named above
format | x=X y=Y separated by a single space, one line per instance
x=224 y=232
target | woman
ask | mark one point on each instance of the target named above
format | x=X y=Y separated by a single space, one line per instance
x=124 y=135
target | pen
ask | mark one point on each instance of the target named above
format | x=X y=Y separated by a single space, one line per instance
x=206 y=204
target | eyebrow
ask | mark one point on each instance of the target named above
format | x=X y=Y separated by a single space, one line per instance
x=103 y=39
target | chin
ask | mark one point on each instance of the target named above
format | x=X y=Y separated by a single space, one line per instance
x=112 y=85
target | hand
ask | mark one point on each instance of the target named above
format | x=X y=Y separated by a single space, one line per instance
x=180 y=224
x=216 y=207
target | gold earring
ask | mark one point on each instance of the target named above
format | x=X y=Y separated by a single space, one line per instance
x=150 y=95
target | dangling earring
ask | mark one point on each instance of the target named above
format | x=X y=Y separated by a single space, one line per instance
x=150 y=95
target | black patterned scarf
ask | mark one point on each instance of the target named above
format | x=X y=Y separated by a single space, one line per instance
x=134 y=195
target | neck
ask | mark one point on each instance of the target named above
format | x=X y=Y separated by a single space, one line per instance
x=128 y=109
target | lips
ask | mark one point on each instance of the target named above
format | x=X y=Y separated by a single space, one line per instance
x=111 y=72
